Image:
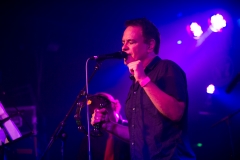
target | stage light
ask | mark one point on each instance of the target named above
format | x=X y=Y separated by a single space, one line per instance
x=179 y=42
x=210 y=89
x=199 y=144
x=179 y=14
x=217 y=22
x=196 y=30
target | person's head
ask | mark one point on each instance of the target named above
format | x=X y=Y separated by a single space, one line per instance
x=141 y=38
x=115 y=104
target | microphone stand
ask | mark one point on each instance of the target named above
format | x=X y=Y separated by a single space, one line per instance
x=59 y=133
x=227 y=120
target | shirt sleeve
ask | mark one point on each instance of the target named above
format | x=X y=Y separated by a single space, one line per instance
x=173 y=81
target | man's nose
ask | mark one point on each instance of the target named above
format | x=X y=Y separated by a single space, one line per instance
x=124 y=47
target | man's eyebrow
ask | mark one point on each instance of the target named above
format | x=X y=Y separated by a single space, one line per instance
x=128 y=40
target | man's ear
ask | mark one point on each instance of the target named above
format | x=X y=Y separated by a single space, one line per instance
x=152 y=44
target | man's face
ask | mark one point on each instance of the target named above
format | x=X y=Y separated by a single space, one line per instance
x=133 y=44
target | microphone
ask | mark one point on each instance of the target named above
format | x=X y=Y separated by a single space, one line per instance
x=233 y=83
x=115 y=55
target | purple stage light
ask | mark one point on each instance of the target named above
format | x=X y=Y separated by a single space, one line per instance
x=217 y=23
x=210 y=89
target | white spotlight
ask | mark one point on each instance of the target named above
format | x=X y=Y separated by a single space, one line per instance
x=196 y=30
x=210 y=89
x=217 y=23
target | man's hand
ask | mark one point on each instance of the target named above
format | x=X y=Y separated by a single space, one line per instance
x=137 y=70
x=100 y=116
x=103 y=116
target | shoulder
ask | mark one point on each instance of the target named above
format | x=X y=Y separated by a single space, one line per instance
x=169 y=67
x=169 y=63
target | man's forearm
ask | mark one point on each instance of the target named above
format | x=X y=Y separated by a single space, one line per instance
x=118 y=130
x=165 y=104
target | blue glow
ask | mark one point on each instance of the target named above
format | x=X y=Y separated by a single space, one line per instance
x=179 y=14
x=179 y=42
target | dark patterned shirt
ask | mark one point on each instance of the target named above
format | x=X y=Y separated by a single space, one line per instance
x=152 y=135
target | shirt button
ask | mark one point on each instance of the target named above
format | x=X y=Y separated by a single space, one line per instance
x=134 y=92
x=132 y=143
x=133 y=109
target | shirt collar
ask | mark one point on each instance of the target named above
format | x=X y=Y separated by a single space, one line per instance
x=152 y=64
x=149 y=67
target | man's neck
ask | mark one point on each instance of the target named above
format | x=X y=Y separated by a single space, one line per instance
x=148 y=59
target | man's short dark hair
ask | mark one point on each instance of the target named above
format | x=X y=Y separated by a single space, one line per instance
x=149 y=31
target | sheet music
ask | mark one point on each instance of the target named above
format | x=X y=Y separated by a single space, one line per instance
x=9 y=126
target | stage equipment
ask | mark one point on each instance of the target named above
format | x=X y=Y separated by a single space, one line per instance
x=83 y=94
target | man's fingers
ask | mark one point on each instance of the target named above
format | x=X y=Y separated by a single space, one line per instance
x=99 y=115
x=132 y=66
x=95 y=120
x=102 y=111
x=131 y=69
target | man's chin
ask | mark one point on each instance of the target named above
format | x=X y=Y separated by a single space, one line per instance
x=128 y=60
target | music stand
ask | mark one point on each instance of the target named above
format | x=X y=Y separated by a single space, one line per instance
x=9 y=132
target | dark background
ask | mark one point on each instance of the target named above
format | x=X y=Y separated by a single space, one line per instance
x=44 y=47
